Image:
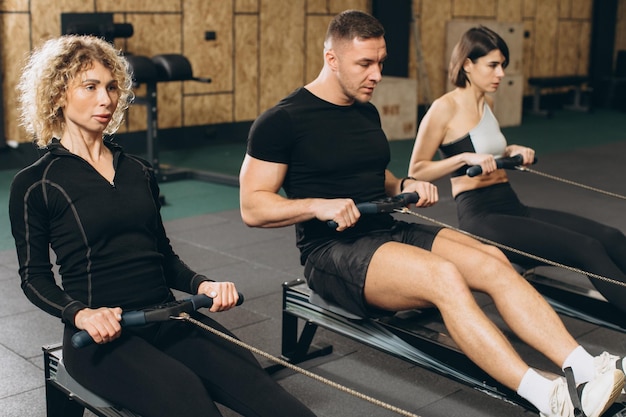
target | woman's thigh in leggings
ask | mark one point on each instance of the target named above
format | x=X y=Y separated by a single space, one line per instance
x=134 y=374
x=230 y=373
x=613 y=240
x=542 y=235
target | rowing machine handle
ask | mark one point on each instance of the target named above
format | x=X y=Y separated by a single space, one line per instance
x=141 y=317
x=506 y=163
x=385 y=205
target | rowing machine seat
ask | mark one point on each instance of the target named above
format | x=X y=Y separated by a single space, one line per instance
x=316 y=299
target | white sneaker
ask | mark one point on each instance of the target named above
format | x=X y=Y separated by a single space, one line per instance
x=606 y=362
x=596 y=396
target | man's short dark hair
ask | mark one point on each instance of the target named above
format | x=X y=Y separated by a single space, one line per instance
x=354 y=24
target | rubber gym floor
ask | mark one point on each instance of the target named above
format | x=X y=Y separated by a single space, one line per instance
x=203 y=223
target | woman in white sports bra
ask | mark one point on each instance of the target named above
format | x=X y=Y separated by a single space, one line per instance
x=461 y=126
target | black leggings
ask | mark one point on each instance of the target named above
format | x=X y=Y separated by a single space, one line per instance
x=174 y=368
x=495 y=213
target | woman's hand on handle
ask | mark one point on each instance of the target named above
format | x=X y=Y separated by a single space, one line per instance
x=224 y=294
x=102 y=324
x=528 y=154
x=486 y=161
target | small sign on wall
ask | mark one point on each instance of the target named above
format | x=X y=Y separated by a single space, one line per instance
x=396 y=101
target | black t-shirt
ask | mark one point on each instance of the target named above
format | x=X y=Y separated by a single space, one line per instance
x=332 y=152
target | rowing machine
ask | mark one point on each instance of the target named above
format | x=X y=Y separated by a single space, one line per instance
x=406 y=335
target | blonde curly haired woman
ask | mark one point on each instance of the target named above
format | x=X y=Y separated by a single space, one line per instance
x=97 y=208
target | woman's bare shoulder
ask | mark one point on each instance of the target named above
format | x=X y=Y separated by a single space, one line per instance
x=444 y=107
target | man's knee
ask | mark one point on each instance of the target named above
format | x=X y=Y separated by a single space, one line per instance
x=447 y=281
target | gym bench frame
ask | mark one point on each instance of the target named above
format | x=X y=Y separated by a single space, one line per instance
x=574 y=81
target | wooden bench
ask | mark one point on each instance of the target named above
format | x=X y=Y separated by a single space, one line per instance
x=575 y=81
x=67 y=398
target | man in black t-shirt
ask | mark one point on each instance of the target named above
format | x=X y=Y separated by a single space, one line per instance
x=323 y=144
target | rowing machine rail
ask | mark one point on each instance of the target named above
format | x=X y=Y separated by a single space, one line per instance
x=401 y=335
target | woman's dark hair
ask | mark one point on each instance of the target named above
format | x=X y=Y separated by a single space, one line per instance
x=475 y=43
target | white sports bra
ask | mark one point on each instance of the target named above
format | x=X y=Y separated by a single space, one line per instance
x=485 y=137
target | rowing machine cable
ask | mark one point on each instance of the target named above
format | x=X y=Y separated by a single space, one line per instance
x=188 y=318
x=566 y=181
x=405 y=210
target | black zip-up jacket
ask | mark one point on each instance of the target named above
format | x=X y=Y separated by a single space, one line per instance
x=108 y=238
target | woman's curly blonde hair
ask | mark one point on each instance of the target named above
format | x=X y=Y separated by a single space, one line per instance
x=48 y=73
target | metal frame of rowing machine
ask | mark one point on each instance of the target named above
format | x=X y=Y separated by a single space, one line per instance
x=406 y=339
x=67 y=398
x=401 y=336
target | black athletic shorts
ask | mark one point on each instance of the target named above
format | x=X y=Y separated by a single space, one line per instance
x=336 y=270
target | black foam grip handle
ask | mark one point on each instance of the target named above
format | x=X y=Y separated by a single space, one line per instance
x=386 y=205
x=138 y=318
x=81 y=339
x=506 y=163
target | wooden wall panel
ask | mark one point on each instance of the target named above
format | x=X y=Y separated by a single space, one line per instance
x=154 y=34
x=565 y=8
x=433 y=30
x=509 y=10
x=316 y=31
x=576 y=9
x=266 y=48
x=246 y=6
x=282 y=49
x=46 y=19
x=528 y=8
x=568 y=48
x=14 y=26
x=582 y=9
x=338 y=6
x=476 y=8
x=14 y=6
x=246 y=68
x=417 y=6
x=137 y=5
x=546 y=27
x=584 y=40
x=528 y=58
x=212 y=59
x=317 y=6
x=216 y=108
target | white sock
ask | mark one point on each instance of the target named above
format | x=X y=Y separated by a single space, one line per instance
x=537 y=390
x=581 y=363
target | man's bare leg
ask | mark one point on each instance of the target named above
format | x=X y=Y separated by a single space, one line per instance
x=402 y=277
x=524 y=310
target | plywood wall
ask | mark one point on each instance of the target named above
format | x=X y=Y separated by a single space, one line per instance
x=266 y=48
x=556 y=41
